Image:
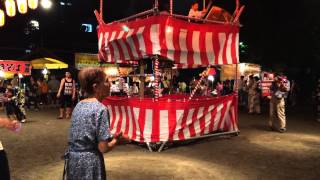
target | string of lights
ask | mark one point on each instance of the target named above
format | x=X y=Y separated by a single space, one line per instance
x=9 y=7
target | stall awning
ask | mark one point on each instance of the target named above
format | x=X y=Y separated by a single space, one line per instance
x=178 y=40
x=49 y=63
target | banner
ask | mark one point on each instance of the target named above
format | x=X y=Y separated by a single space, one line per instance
x=169 y=119
x=15 y=67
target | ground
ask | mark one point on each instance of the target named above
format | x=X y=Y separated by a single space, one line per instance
x=257 y=153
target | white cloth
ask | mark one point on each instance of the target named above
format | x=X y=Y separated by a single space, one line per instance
x=195 y=14
x=1 y=147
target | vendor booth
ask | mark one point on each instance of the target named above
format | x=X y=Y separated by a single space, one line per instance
x=48 y=63
x=228 y=72
x=155 y=36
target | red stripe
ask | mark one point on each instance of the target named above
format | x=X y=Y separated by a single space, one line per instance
x=233 y=49
x=110 y=48
x=141 y=122
x=162 y=38
x=113 y=111
x=224 y=55
x=147 y=39
x=176 y=45
x=155 y=135
x=223 y=112
x=194 y=119
x=213 y=117
x=203 y=51
x=120 y=50
x=172 y=115
x=124 y=39
x=190 y=60
x=127 y=121
x=120 y=120
x=202 y=120
x=183 y=125
x=134 y=128
x=136 y=42
x=216 y=47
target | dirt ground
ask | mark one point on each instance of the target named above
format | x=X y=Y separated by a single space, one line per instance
x=35 y=152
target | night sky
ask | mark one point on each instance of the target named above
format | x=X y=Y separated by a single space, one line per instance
x=277 y=33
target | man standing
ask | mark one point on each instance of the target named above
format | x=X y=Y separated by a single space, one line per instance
x=279 y=90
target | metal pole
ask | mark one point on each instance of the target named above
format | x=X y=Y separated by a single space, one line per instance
x=162 y=146
x=204 y=4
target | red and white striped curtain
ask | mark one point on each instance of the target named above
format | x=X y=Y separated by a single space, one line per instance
x=171 y=118
x=181 y=41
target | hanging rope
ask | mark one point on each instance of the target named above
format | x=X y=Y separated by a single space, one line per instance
x=156 y=78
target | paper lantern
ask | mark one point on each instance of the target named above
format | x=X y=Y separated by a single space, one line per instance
x=22 y=6
x=2 y=18
x=33 y=4
x=10 y=8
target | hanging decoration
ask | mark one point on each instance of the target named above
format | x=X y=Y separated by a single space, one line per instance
x=33 y=4
x=10 y=8
x=22 y=6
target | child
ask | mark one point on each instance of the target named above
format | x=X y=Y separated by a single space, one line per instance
x=13 y=105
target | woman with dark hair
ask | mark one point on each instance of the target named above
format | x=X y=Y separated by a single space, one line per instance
x=89 y=132
x=67 y=94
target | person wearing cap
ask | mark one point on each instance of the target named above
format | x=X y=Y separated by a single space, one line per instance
x=279 y=90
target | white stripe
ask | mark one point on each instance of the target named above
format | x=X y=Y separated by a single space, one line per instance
x=164 y=125
x=106 y=45
x=179 y=116
x=116 y=119
x=183 y=46
x=141 y=41
x=196 y=47
x=197 y=127
x=130 y=134
x=100 y=41
x=154 y=37
x=169 y=42
x=209 y=48
x=218 y=117
x=136 y=112
x=226 y=115
x=123 y=46
x=124 y=118
x=237 y=47
x=222 y=40
x=131 y=44
x=208 y=119
x=229 y=47
x=186 y=131
x=115 y=48
x=148 y=125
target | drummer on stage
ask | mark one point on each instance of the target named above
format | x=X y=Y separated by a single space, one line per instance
x=194 y=11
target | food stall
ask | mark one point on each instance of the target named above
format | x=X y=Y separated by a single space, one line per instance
x=10 y=67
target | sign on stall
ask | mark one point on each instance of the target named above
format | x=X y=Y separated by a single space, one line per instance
x=10 y=66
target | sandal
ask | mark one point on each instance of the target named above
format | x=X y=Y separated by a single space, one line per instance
x=59 y=117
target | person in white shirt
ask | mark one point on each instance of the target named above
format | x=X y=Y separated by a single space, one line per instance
x=4 y=165
x=194 y=11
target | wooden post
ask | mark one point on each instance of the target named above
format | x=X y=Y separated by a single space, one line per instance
x=142 y=79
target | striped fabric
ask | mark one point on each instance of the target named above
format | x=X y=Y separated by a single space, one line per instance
x=181 y=41
x=171 y=119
